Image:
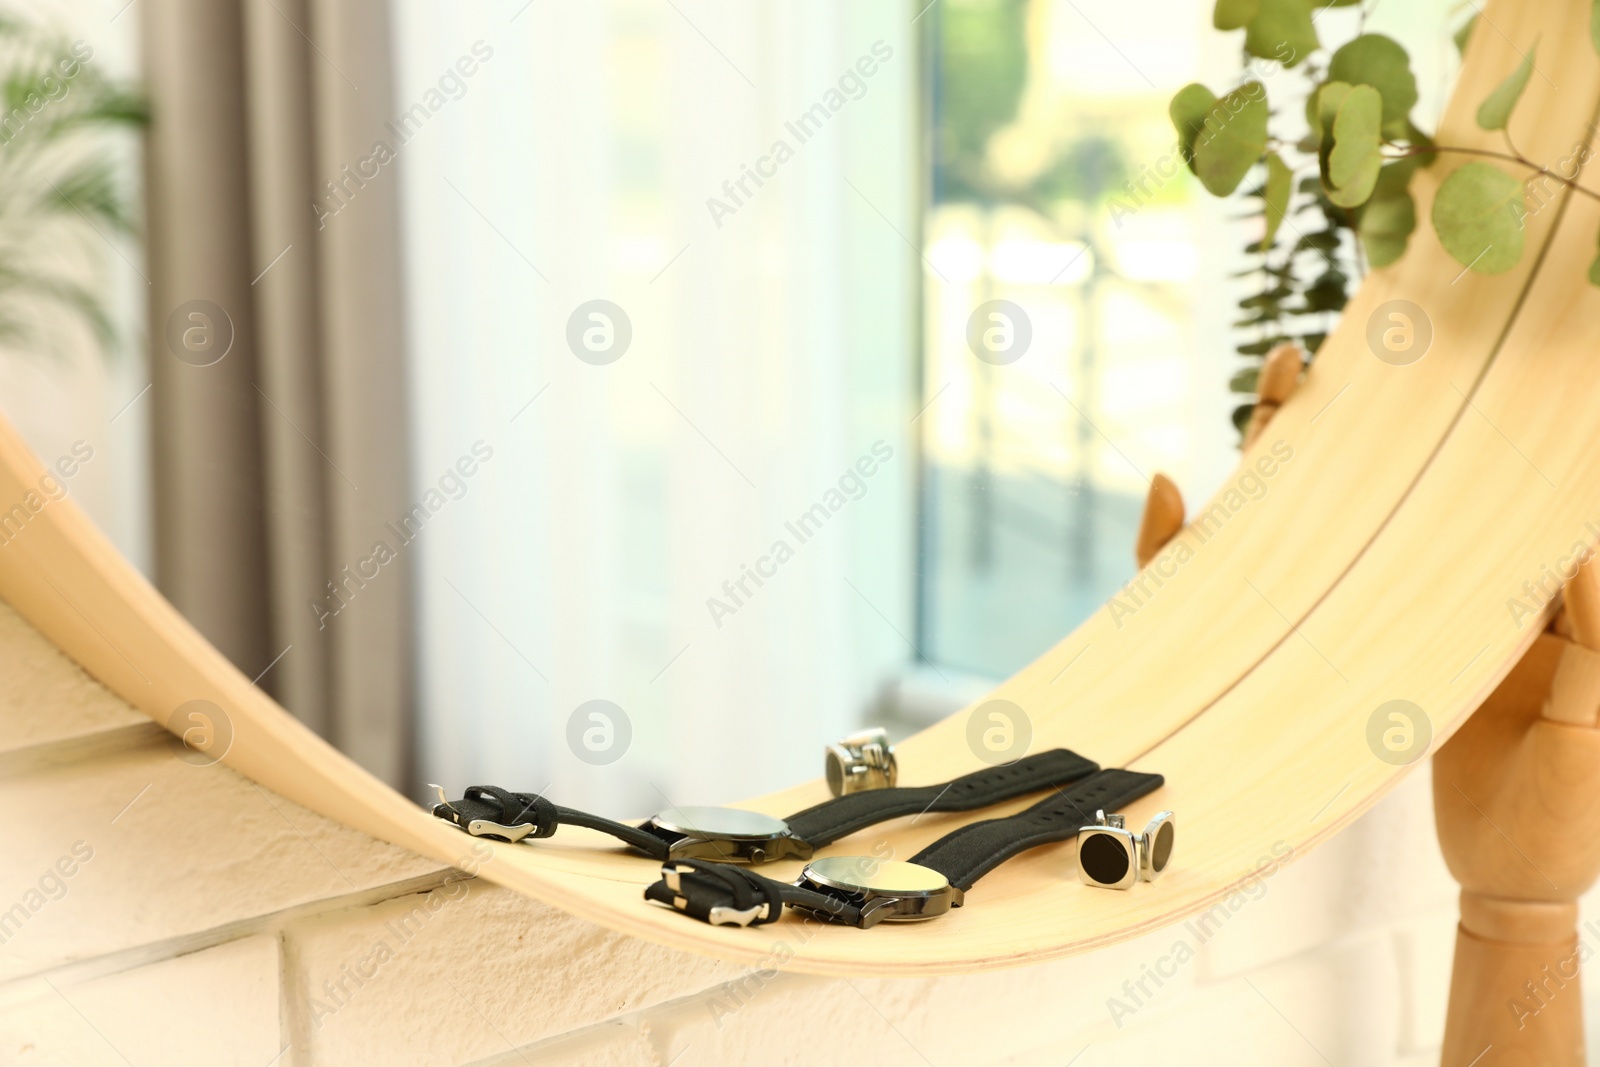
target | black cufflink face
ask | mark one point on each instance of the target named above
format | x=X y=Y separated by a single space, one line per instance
x=1113 y=857
x=861 y=762
x=1107 y=858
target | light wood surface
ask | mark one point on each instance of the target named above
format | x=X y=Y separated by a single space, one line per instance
x=1364 y=552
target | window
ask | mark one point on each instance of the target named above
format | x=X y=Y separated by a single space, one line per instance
x=1068 y=352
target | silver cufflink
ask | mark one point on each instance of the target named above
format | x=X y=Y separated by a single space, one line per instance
x=1113 y=857
x=861 y=762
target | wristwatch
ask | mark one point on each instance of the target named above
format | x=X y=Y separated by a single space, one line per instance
x=733 y=835
x=866 y=890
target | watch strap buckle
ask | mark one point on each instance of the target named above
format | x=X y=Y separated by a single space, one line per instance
x=489 y=811
x=485 y=828
x=717 y=893
x=721 y=916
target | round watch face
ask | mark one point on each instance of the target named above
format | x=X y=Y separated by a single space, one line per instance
x=862 y=874
x=727 y=824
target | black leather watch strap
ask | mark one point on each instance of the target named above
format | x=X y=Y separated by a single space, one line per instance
x=832 y=819
x=502 y=807
x=726 y=895
x=967 y=854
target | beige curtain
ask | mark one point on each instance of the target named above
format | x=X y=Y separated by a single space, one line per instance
x=276 y=465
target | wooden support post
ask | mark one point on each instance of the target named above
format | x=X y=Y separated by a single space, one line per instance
x=1516 y=796
x=1163 y=505
x=1161 y=520
x=1279 y=377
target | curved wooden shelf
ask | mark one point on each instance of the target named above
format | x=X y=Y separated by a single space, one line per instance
x=1413 y=503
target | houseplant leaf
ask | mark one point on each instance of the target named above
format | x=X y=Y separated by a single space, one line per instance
x=1231 y=142
x=1276 y=194
x=1234 y=14
x=1385 y=227
x=1354 y=160
x=1283 y=31
x=1322 y=109
x=1477 y=214
x=1375 y=60
x=1189 y=110
x=1495 y=111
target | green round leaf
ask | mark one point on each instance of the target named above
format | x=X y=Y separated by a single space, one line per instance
x=1395 y=177
x=1464 y=34
x=1321 y=110
x=1189 y=109
x=1234 y=14
x=1477 y=214
x=1495 y=111
x=1282 y=31
x=1594 y=24
x=1276 y=194
x=1375 y=60
x=1386 y=226
x=1233 y=138
x=1354 y=160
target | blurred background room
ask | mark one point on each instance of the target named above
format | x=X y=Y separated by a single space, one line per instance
x=472 y=375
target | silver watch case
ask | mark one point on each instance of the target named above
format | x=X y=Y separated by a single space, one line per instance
x=881 y=890
x=726 y=835
x=861 y=762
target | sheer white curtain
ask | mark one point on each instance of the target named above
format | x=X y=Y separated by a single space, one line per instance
x=712 y=531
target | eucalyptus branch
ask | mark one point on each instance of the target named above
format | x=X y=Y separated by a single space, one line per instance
x=1358 y=100
x=1507 y=157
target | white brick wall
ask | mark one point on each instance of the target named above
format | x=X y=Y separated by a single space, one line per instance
x=218 y=1006
x=215 y=923
x=464 y=972
x=44 y=697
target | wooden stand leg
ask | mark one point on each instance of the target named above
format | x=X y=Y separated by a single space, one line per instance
x=1517 y=801
x=1514 y=989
